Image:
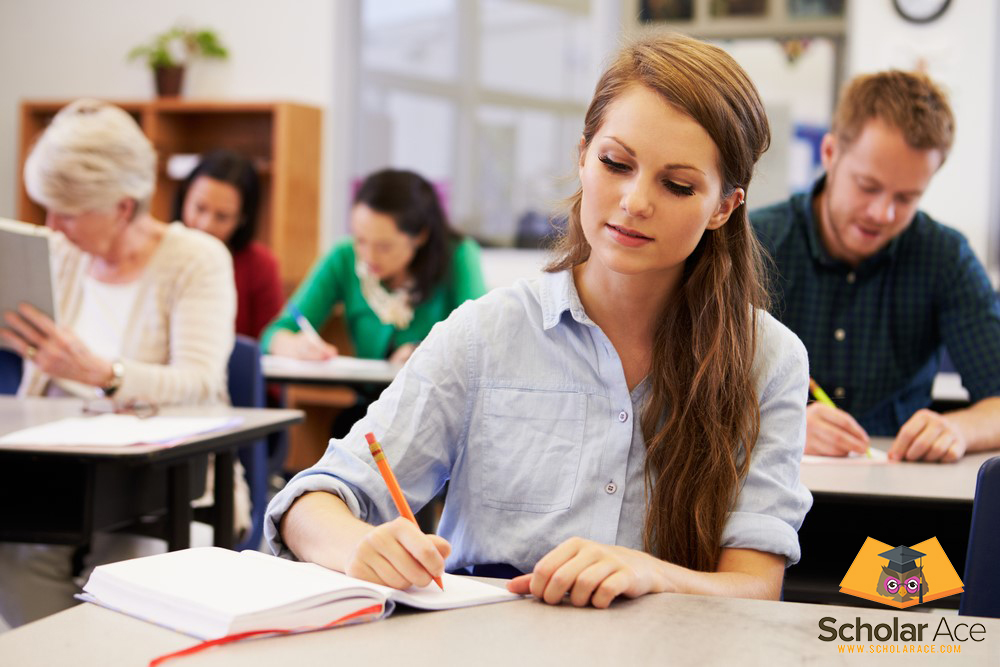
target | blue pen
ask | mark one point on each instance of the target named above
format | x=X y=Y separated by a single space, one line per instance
x=303 y=323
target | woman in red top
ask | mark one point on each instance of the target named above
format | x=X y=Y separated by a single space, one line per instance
x=220 y=197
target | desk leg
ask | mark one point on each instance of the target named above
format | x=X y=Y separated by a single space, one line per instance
x=223 y=519
x=179 y=502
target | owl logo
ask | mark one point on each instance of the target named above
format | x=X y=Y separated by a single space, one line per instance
x=903 y=578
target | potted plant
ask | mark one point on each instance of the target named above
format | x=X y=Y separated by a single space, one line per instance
x=168 y=52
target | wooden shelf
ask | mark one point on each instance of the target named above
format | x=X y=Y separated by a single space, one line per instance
x=282 y=138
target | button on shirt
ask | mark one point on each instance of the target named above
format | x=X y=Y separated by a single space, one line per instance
x=516 y=401
x=875 y=331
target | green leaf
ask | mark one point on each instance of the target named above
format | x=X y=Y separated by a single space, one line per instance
x=178 y=45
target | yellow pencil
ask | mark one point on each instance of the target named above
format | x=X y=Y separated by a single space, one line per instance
x=821 y=396
x=394 y=490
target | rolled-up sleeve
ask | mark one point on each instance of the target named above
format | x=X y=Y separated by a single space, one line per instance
x=421 y=420
x=773 y=502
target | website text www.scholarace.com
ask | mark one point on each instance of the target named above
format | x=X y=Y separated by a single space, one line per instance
x=863 y=637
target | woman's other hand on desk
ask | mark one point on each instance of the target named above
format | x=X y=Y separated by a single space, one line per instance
x=833 y=432
x=56 y=351
x=301 y=345
x=928 y=436
x=399 y=555
x=592 y=573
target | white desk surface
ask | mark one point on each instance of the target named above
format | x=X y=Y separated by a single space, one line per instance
x=665 y=629
x=338 y=369
x=19 y=413
x=942 y=481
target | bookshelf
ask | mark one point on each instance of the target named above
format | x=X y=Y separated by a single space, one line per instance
x=282 y=138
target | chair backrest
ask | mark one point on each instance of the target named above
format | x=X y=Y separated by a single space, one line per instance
x=982 y=576
x=10 y=372
x=246 y=390
x=246 y=378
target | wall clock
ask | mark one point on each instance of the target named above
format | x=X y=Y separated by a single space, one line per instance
x=920 y=11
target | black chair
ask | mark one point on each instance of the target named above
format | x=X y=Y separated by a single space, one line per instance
x=10 y=372
x=982 y=578
x=246 y=390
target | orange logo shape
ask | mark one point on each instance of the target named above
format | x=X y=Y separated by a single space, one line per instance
x=903 y=576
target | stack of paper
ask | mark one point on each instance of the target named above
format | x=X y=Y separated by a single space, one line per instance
x=113 y=430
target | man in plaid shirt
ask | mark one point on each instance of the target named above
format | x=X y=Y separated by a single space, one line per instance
x=875 y=288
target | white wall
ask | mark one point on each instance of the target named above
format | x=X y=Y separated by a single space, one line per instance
x=960 y=52
x=59 y=49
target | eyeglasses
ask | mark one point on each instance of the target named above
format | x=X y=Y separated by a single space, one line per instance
x=911 y=585
x=104 y=406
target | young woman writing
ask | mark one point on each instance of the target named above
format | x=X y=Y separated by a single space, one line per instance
x=631 y=422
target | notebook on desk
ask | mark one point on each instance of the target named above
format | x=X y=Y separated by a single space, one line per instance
x=25 y=274
x=212 y=593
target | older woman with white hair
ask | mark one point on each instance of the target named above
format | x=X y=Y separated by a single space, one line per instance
x=145 y=309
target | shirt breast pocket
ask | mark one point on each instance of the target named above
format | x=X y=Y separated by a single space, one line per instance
x=533 y=445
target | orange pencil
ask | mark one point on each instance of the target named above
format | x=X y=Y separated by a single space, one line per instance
x=390 y=480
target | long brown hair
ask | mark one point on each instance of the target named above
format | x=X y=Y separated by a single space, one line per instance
x=702 y=417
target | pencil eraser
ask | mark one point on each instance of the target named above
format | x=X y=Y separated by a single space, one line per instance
x=370 y=437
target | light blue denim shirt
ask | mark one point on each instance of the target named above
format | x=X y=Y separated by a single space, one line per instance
x=519 y=401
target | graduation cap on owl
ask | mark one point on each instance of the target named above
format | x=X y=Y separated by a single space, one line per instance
x=901 y=561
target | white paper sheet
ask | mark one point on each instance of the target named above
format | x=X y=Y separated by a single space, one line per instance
x=344 y=368
x=877 y=457
x=113 y=430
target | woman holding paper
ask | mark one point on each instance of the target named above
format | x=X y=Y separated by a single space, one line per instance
x=403 y=270
x=630 y=422
x=145 y=310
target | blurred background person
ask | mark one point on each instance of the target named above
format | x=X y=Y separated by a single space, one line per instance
x=145 y=313
x=403 y=270
x=220 y=197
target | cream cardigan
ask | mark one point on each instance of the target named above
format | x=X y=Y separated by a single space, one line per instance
x=181 y=329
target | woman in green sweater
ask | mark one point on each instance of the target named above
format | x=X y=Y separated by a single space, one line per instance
x=403 y=271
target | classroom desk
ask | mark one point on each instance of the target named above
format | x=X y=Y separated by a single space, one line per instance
x=341 y=371
x=351 y=371
x=896 y=503
x=664 y=629
x=907 y=480
x=64 y=494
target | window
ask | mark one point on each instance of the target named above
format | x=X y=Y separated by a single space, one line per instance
x=483 y=97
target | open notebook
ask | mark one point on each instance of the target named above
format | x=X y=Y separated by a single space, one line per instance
x=211 y=593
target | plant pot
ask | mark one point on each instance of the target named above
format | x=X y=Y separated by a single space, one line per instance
x=169 y=80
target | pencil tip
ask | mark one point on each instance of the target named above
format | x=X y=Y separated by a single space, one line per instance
x=370 y=437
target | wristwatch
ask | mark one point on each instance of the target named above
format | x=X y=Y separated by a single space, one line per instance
x=117 y=375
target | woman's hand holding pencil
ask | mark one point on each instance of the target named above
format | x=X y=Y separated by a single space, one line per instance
x=831 y=431
x=397 y=553
x=305 y=344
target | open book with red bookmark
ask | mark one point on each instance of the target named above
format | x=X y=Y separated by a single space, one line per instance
x=221 y=595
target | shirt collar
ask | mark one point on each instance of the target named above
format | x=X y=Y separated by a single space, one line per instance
x=816 y=247
x=558 y=295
